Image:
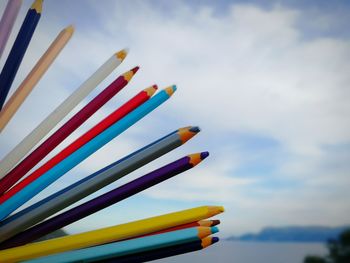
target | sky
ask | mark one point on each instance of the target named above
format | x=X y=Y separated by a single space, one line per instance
x=267 y=82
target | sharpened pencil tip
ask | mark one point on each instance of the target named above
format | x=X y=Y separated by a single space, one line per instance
x=215 y=222
x=70 y=29
x=214 y=229
x=195 y=129
x=170 y=90
x=38 y=6
x=135 y=69
x=129 y=74
x=196 y=158
x=215 y=210
x=121 y=55
x=207 y=241
x=151 y=90
x=187 y=133
x=204 y=155
x=214 y=240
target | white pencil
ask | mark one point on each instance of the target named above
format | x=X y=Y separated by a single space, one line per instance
x=24 y=147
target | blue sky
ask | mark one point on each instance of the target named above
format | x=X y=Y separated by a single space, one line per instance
x=267 y=81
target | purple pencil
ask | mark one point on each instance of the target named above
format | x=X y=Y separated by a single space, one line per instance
x=105 y=200
x=7 y=21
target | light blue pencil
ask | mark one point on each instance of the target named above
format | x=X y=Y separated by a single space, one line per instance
x=82 y=153
x=130 y=246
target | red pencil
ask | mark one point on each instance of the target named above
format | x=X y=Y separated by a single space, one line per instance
x=71 y=125
x=115 y=116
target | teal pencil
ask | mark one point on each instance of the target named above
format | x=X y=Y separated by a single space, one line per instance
x=82 y=153
x=130 y=246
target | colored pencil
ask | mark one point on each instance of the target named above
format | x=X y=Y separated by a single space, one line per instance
x=65 y=130
x=82 y=153
x=108 y=234
x=73 y=193
x=34 y=76
x=24 y=147
x=207 y=223
x=165 y=252
x=105 y=200
x=7 y=21
x=131 y=246
x=119 y=113
x=18 y=49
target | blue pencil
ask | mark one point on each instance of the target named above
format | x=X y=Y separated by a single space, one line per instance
x=130 y=246
x=18 y=50
x=82 y=153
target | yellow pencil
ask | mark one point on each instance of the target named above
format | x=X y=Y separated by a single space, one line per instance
x=109 y=234
x=34 y=76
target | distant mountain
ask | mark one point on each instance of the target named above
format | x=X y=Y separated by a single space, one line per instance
x=293 y=234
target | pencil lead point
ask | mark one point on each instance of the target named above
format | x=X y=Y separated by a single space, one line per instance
x=214 y=229
x=214 y=240
x=135 y=69
x=204 y=155
x=215 y=222
x=194 y=129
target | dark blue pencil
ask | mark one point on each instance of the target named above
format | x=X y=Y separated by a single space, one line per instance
x=18 y=50
x=164 y=252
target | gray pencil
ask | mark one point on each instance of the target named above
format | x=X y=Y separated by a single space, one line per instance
x=69 y=195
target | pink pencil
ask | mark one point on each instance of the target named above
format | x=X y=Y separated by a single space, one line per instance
x=7 y=21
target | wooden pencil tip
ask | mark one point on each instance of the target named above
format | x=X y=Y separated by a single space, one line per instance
x=121 y=55
x=187 y=133
x=38 y=6
x=215 y=222
x=135 y=69
x=215 y=210
x=151 y=90
x=207 y=241
x=70 y=29
x=129 y=74
x=204 y=231
x=170 y=90
x=214 y=229
x=195 y=129
x=196 y=158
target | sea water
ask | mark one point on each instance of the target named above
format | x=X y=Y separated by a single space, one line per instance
x=251 y=252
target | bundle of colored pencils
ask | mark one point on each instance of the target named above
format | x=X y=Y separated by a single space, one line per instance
x=137 y=241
